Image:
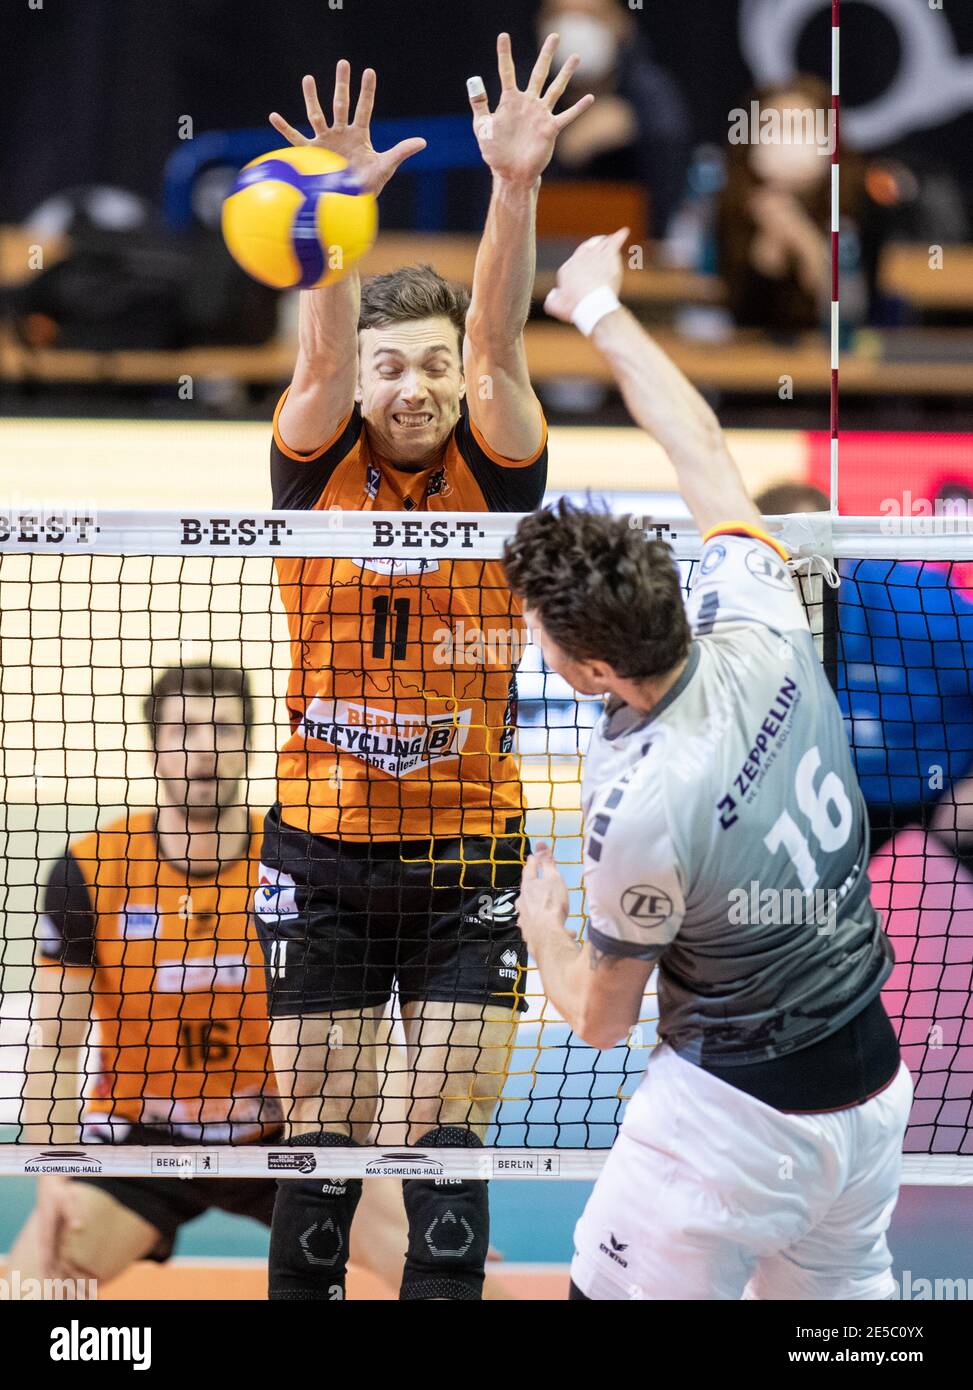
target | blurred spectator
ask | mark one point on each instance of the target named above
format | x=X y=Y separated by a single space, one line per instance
x=784 y=498
x=774 y=216
x=904 y=678
x=639 y=128
x=125 y=281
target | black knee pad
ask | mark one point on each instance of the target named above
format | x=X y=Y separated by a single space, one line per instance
x=311 y=1229
x=449 y=1227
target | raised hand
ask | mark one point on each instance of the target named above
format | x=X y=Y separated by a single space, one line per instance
x=543 y=897
x=517 y=140
x=596 y=262
x=372 y=168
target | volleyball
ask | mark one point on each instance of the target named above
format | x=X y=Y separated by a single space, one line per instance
x=297 y=218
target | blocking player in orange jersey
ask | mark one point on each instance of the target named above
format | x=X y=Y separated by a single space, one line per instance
x=395 y=850
x=146 y=952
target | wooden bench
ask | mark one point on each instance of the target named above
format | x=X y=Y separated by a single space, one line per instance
x=745 y=364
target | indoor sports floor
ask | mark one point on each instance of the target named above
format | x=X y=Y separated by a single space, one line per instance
x=46 y=793
x=221 y=1256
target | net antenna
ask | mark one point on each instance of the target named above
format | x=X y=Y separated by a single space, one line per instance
x=835 y=240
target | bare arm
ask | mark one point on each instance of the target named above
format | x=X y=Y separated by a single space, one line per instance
x=60 y=1027
x=517 y=141
x=599 y=995
x=661 y=400
x=322 y=392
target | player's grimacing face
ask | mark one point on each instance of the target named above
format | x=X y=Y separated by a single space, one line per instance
x=410 y=388
x=200 y=750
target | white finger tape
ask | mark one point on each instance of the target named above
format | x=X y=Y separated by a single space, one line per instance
x=475 y=87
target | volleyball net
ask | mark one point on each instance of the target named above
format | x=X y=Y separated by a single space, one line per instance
x=429 y=661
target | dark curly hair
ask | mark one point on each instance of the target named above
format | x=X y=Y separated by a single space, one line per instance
x=602 y=591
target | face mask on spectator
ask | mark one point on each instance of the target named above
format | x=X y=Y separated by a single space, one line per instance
x=594 y=43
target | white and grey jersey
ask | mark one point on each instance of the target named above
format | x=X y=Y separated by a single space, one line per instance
x=725 y=832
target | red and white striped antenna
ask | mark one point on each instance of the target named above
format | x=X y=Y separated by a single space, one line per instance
x=835 y=239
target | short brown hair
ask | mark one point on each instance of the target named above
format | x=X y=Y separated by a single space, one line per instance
x=198 y=678
x=602 y=591
x=414 y=292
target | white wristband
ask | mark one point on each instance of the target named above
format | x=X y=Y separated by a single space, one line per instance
x=593 y=308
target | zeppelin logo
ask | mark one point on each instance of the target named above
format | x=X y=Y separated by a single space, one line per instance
x=241 y=531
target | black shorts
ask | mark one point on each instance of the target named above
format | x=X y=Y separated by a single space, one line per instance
x=341 y=923
x=168 y=1203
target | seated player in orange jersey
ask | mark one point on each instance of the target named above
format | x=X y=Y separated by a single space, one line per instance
x=395 y=850
x=146 y=952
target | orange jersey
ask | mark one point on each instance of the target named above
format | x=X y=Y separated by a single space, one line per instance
x=402 y=696
x=178 y=989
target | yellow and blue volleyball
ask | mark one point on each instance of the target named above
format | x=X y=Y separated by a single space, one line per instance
x=297 y=218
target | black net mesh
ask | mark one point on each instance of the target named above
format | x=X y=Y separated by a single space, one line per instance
x=433 y=757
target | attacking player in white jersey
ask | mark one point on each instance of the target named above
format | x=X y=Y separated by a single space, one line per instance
x=726 y=843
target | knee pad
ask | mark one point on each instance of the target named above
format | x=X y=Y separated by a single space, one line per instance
x=449 y=1227
x=311 y=1229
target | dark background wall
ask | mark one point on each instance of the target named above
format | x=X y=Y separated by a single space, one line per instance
x=92 y=90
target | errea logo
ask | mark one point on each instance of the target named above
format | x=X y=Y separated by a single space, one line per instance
x=614 y=1251
x=509 y=963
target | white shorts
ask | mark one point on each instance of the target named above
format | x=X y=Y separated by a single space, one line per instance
x=710 y=1194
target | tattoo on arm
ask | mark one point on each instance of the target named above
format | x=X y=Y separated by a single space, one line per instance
x=598 y=960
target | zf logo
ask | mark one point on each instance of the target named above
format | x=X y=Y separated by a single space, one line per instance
x=646 y=906
x=768 y=569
